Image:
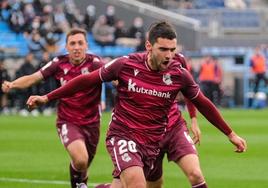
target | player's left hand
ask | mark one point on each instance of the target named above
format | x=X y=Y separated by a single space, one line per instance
x=196 y=131
x=240 y=143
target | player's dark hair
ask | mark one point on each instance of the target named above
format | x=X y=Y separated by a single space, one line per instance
x=75 y=31
x=161 y=29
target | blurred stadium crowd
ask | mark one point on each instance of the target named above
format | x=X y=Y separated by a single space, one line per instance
x=33 y=31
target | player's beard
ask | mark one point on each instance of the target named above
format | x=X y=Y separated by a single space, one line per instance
x=77 y=57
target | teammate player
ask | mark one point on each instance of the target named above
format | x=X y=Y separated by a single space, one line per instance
x=79 y=115
x=147 y=86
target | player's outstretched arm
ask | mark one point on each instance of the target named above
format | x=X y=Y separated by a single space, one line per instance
x=208 y=109
x=22 y=82
x=79 y=83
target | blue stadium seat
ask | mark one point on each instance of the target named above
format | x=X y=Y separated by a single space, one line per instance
x=203 y=4
x=4 y=27
x=240 y=19
x=202 y=16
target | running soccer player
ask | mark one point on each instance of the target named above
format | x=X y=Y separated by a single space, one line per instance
x=78 y=119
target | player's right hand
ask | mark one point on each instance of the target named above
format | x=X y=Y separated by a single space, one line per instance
x=36 y=100
x=6 y=86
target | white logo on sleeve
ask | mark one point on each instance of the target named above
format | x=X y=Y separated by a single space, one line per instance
x=167 y=79
x=136 y=72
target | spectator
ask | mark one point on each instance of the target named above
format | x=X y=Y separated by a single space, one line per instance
x=26 y=68
x=120 y=29
x=17 y=22
x=110 y=15
x=60 y=20
x=36 y=44
x=72 y=14
x=90 y=18
x=52 y=38
x=258 y=67
x=136 y=31
x=121 y=35
x=217 y=91
x=38 y=6
x=46 y=21
x=28 y=13
x=207 y=77
x=3 y=76
x=5 y=10
x=102 y=32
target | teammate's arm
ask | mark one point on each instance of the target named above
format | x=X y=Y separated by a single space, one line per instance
x=22 y=82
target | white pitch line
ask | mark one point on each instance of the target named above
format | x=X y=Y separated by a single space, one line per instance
x=57 y=182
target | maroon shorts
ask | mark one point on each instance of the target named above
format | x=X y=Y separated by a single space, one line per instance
x=126 y=152
x=176 y=144
x=69 y=132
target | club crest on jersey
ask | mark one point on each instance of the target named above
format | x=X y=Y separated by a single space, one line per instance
x=84 y=70
x=167 y=79
x=136 y=71
x=65 y=71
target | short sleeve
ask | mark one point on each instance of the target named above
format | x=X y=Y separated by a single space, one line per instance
x=110 y=71
x=50 y=68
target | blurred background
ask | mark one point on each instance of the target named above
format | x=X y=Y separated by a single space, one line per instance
x=225 y=43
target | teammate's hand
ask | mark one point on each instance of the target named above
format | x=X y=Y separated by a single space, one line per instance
x=6 y=86
x=36 y=100
x=240 y=143
x=196 y=131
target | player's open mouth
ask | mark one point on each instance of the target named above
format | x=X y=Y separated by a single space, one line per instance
x=165 y=62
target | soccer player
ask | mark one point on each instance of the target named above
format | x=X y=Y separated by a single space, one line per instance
x=147 y=87
x=79 y=115
x=178 y=146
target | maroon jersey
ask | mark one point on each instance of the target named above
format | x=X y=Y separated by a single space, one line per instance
x=145 y=96
x=83 y=107
x=174 y=116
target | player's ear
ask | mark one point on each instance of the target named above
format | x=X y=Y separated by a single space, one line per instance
x=148 y=45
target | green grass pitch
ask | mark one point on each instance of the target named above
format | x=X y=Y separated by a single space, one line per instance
x=31 y=155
